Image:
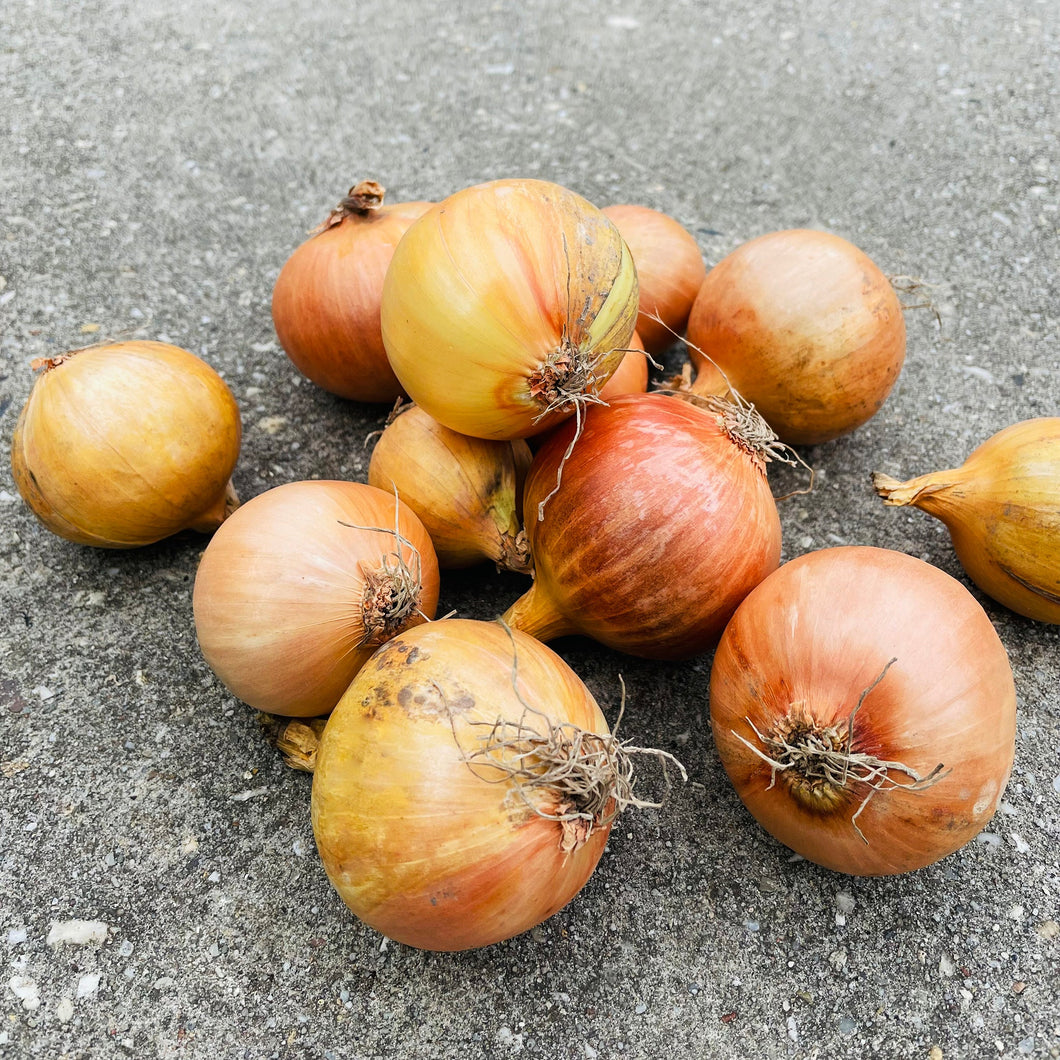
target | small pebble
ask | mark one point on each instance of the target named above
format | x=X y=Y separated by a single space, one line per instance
x=88 y=984
x=26 y=990
x=847 y=1026
x=641 y=1008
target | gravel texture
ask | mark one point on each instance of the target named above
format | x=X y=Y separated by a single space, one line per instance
x=160 y=893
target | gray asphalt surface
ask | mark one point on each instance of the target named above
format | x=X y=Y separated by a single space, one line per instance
x=157 y=166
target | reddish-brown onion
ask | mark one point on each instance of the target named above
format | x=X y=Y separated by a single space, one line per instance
x=301 y=588
x=669 y=267
x=662 y=523
x=325 y=305
x=805 y=326
x=836 y=749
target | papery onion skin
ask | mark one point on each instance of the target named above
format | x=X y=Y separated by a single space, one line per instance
x=325 y=303
x=670 y=271
x=660 y=527
x=466 y=491
x=804 y=325
x=420 y=845
x=1002 y=509
x=807 y=643
x=506 y=305
x=124 y=444
x=631 y=375
x=280 y=595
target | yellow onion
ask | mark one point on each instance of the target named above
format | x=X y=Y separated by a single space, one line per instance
x=325 y=304
x=670 y=271
x=464 y=786
x=302 y=584
x=647 y=533
x=805 y=326
x=507 y=306
x=1002 y=509
x=864 y=709
x=466 y=491
x=124 y=444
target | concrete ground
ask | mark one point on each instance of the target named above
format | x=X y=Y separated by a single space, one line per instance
x=158 y=163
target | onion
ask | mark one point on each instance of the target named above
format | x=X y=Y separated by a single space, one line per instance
x=466 y=491
x=465 y=785
x=631 y=375
x=507 y=306
x=325 y=304
x=124 y=444
x=864 y=708
x=303 y=584
x=670 y=270
x=1002 y=509
x=805 y=327
x=663 y=521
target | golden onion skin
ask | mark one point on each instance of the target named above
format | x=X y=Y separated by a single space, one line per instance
x=805 y=326
x=806 y=644
x=1002 y=509
x=466 y=491
x=493 y=291
x=287 y=589
x=124 y=444
x=421 y=846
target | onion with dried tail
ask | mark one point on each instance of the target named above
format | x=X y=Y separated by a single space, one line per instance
x=507 y=307
x=121 y=445
x=1002 y=509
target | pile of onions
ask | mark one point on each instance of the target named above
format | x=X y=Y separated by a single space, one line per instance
x=465 y=786
x=325 y=304
x=662 y=522
x=466 y=491
x=302 y=584
x=507 y=306
x=124 y=444
x=864 y=708
x=670 y=271
x=805 y=327
x=1002 y=509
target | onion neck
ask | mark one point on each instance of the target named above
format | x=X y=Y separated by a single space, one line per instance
x=362 y=200
x=927 y=492
x=536 y=614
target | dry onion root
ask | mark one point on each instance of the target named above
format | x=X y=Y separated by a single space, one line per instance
x=864 y=709
x=507 y=307
x=325 y=304
x=465 y=786
x=805 y=326
x=302 y=584
x=124 y=444
x=1002 y=509
x=466 y=491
